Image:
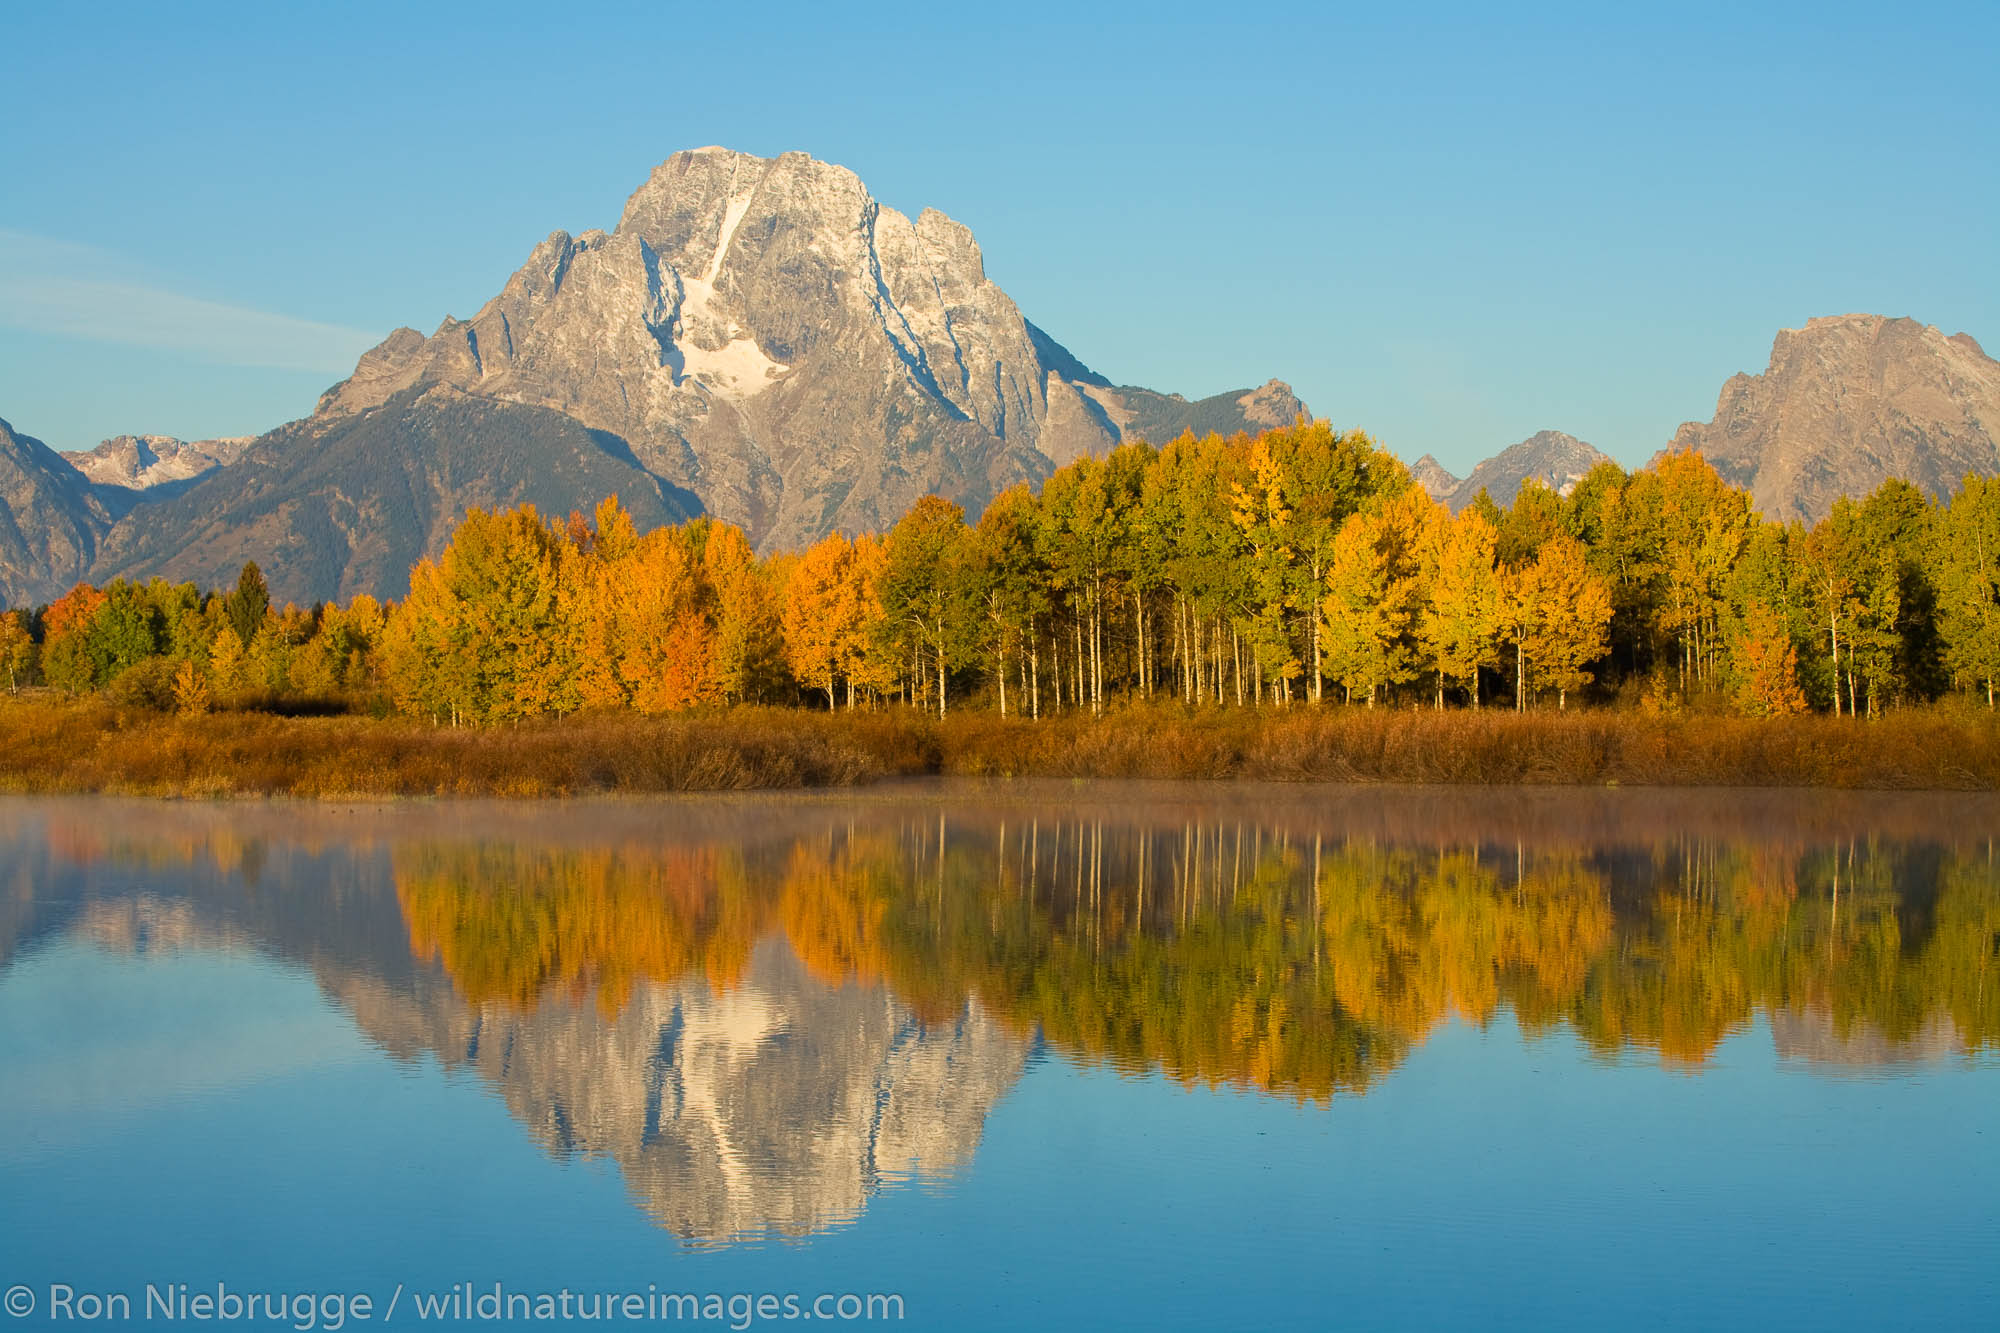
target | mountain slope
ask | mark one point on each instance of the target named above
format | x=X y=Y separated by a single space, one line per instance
x=758 y=339
x=50 y=523
x=333 y=506
x=1556 y=460
x=1847 y=402
x=133 y=469
x=1437 y=482
x=769 y=337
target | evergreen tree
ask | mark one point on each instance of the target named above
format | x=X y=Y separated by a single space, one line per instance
x=246 y=606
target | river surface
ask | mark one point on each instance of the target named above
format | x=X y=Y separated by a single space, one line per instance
x=1097 y=1055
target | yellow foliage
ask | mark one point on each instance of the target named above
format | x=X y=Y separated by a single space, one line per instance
x=190 y=690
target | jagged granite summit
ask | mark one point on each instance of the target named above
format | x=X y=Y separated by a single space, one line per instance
x=757 y=339
x=151 y=466
x=1556 y=460
x=1847 y=402
x=763 y=334
x=1437 y=480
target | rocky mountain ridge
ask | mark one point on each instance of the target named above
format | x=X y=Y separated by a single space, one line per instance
x=765 y=335
x=148 y=462
x=757 y=339
x=50 y=521
x=1847 y=402
x=333 y=506
x=1556 y=460
x=126 y=471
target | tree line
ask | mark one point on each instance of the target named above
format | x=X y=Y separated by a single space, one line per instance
x=1244 y=956
x=1257 y=954
x=1299 y=566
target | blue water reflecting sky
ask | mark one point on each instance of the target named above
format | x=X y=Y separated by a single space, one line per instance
x=208 y=1107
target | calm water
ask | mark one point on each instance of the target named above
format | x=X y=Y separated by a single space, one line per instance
x=1081 y=1056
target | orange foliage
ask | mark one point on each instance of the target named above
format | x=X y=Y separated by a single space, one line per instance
x=511 y=924
x=72 y=612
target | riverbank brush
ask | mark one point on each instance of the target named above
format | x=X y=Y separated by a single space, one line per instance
x=91 y=745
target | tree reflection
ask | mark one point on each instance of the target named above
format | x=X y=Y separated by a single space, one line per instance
x=765 y=1011
x=513 y=923
x=1246 y=955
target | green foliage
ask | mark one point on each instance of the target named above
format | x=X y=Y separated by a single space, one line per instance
x=148 y=684
x=1222 y=572
x=245 y=607
x=1964 y=568
x=930 y=595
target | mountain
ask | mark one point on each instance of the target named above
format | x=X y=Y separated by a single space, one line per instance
x=337 y=505
x=758 y=339
x=778 y=1104
x=50 y=522
x=775 y=1106
x=765 y=335
x=1437 y=482
x=1556 y=460
x=1847 y=402
x=129 y=469
x=1141 y=414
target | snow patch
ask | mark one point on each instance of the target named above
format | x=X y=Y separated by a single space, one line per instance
x=737 y=369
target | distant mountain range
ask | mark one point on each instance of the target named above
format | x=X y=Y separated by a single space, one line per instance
x=1848 y=401
x=1556 y=460
x=336 y=505
x=150 y=466
x=759 y=339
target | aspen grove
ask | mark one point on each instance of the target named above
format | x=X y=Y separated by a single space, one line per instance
x=1299 y=567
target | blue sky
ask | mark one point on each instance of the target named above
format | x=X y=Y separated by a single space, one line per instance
x=1453 y=225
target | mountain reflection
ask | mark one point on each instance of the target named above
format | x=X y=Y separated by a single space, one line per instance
x=772 y=1106
x=762 y=1011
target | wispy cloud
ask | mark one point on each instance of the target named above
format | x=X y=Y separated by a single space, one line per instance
x=77 y=291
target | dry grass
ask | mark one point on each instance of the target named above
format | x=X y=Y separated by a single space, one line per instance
x=1944 y=748
x=92 y=746
x=49 y=745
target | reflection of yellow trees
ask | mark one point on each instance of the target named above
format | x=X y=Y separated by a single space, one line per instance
x=1252 y=959
x=1227 y=981
x=1208 y=983
x=513 y=923
x=1732 y=933
x=1415 y=938
x=832 y=914
x=1961 y=964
